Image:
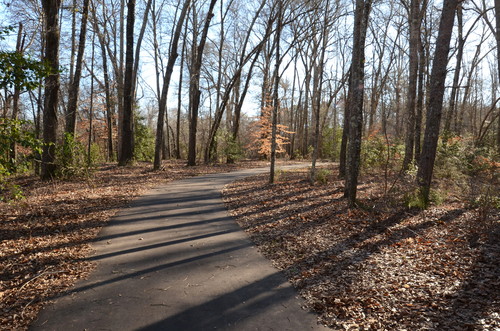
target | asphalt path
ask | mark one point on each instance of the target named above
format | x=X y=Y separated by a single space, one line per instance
x=175 y=260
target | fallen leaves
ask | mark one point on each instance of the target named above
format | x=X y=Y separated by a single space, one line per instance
x=46 y=238
x=374 y=268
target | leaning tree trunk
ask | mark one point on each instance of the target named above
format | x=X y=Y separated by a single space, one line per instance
x=274 y=115
x=166 y=83
x=450 y=114
x=52 y=84
x=434 y=112
x=107 y=88
x=362 y=14
x=127 y=143
x=75 y=83
x=194 y=87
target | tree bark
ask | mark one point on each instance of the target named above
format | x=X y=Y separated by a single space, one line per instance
x=414 y=20
x=107 y=88
x=51 y=99
x=243 y=59
x=17 y=94
x=362 y=14
x=166 y=84
x=274 y=121
x=451 y=113
x=179 y=105
x=497 y=35
x=318 y=83
x=194 y=87
x=127 y=143
x=437 y=81
x=75 y=83
x=420 y=98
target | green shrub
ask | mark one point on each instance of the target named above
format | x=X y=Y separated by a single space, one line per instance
x=322 y=176
x=144 y=149
x=8 y=190
x=415 y=198
x=72 y=159
x=96 y=155
x=21 y=134
x=378 y=152
x=233 y=149
x=330 y=143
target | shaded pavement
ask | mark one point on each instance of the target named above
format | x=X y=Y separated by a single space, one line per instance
x=175 y=260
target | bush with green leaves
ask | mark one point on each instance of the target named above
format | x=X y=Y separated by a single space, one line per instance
x=377 y=152
x=229 y=148
x=20 y=70
x=15 y=134
x=323 y=175
x=72 y=159
x=144 y=148
x=415 y=198
x=20 y=134
x=330 y=143
x=459 y=157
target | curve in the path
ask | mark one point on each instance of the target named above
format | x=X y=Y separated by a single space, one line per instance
x=175 y=260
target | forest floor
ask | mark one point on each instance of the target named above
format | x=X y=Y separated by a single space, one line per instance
x=45 y=237
x=381 y=266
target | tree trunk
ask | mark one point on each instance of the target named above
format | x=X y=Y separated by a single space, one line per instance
x=362 y=14
x=166 y=84
x=420 y=99
x=345 y=131
x=75 y=83
x=17 y=94
x=274 y=122
x=451 y=113
x=179 y=105
x=235 y=80
x=437 y=81
x=414 y=20
x=318 y=83
x=91 y=108
x=119 y=72
x=107 y=88
x=51 y=99
x=194 y=87
x=497 y=15
x=127 y=143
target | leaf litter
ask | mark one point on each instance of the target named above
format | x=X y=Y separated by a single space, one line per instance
x=45 y=238
x=378 y=267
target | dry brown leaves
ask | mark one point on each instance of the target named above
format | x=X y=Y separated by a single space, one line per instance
x=377 y=267
x=46 y=237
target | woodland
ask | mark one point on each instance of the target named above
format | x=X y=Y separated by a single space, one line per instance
x=393 y=107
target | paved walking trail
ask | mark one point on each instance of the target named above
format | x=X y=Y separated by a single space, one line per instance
x=175 y=260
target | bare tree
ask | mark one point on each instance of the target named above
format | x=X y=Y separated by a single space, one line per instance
x=318 y=88
x=434 y=112
x=166 y=83
x=75 y=82
x=279 y=28
x=194 y=85
x=497 y=36
x=243 y=59
x=356 y=92
x=127 y=143
x=414 y=18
